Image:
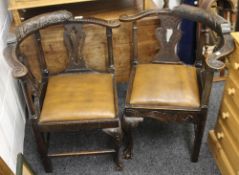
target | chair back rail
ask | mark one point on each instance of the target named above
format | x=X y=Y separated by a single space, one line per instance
x=74 y=40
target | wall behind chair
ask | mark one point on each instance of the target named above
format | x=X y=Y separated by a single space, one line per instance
x=12 y=120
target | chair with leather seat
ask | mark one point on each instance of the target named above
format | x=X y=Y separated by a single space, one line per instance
x=76 y=98
x=166 y=89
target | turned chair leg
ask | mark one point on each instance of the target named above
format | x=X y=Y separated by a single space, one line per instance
x=42 y=147
x=199 y=131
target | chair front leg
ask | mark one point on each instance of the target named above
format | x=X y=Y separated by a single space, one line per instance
x=117 y=157
x=128 y=124
x=41 y=147
x=127 y=153
x=199 y=131
x=116 y=134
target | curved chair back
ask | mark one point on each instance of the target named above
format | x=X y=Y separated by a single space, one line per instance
x=74 y=38
x=168 y=33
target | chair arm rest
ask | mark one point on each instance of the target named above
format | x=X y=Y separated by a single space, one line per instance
x=183 y=11
x=41 y=21
x=18 y=69
x=215 y=22
x=97 y=21
x=140 y=15
x=214 y=61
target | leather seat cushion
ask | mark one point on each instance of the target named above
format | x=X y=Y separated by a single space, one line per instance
x=165 y=85
x=72 y=97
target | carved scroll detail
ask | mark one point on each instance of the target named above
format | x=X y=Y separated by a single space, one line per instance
x=168 y=41
x=74 y=38
x=19 y=70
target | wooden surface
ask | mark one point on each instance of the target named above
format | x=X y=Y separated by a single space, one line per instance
x=4 y=169
x=228 y=144
x=25 y=4
x=224 y=140
x=148 y=4
x=21 y=8
x=219 y=155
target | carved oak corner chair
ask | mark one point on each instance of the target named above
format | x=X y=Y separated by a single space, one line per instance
x=166 y=89
x=78 y=97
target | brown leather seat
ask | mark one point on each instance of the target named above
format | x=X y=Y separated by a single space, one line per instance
x=84 y=96
x=165 y=85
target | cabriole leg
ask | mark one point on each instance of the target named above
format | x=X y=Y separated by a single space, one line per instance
x=116 y=134
x=128 y=124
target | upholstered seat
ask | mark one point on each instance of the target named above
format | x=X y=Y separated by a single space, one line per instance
x=165 y=85
x=83 y=96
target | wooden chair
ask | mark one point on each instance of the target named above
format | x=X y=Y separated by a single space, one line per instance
x=76 y=98
x=166 y=89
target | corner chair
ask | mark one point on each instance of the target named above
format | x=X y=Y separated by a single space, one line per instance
x=166 y=89
x=76 y=98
